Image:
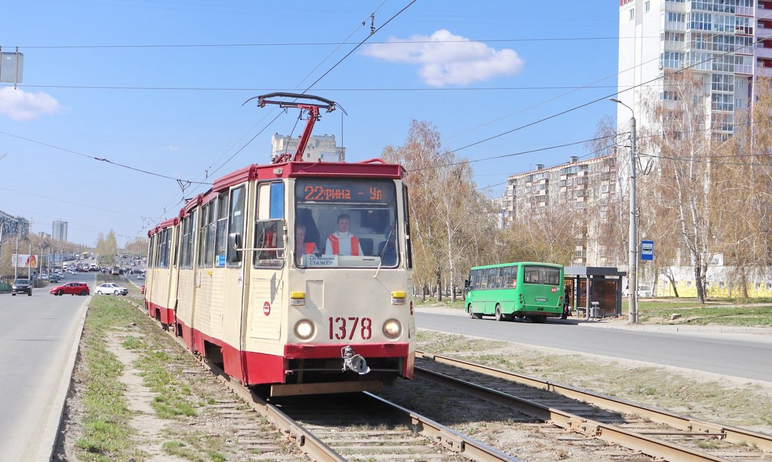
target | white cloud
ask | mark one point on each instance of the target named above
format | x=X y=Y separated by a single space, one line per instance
x=173 y=148
x=20 y=105
x=447 y=59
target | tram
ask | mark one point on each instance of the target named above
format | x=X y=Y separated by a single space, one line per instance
x=293 y=276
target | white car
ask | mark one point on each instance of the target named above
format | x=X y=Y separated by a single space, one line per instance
x=110 y=288
x=644 y=291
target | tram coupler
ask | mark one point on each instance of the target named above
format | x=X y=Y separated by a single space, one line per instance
x=353 y=362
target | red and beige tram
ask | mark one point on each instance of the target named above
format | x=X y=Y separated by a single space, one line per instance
x=294 y=275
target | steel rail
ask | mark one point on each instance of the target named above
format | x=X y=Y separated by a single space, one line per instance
x=309 y=444
x=318 y=451
x=443 y=435
x=568 y=421
x=687 y=424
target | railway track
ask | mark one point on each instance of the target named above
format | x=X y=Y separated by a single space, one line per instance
x=656 y=433
x=348 y=427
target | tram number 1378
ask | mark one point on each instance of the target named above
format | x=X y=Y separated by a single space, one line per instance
x=347 y=328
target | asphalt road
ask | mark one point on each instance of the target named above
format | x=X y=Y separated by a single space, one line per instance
x=744 y=356
x=38 y=338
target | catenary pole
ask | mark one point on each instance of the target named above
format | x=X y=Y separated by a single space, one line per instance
x=632 y=275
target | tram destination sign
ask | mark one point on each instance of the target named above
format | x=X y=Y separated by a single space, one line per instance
x=345 y=191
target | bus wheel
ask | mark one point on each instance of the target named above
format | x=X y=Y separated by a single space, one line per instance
x=499 y=317
x=472 y=314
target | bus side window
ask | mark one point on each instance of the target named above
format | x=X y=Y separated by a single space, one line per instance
x=506 y=277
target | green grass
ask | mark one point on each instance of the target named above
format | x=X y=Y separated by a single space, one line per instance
x=715 y=313
x=107 y=435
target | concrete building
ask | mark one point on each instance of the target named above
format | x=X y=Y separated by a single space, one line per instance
x=319 y=148
x=577 y=185
x=721 y=41
x=59 y=230
x=10 y=225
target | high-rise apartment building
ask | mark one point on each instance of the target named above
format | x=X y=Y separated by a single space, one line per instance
x=579 y=185
x=59 y=230
x=10 y=225
x=721 y=41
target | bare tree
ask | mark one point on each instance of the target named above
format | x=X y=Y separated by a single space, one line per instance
x=681 y=135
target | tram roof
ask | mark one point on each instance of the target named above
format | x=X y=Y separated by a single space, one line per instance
x=373 y=168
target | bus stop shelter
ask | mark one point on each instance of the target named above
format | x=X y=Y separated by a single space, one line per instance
x=595 y=291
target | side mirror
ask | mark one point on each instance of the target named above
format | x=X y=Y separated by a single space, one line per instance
x=234 y=247
x=466 y=283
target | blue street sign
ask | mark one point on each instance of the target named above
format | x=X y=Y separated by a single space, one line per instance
x=647 y=250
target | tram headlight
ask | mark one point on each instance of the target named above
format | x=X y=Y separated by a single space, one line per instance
x=392 y=328
x=304 y=329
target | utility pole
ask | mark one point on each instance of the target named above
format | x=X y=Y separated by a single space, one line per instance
x=16 y=262
x=632 y=260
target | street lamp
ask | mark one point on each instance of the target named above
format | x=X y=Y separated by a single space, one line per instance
x=632 y=276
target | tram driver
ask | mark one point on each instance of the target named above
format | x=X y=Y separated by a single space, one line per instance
x=301 y=246
x=342 y=242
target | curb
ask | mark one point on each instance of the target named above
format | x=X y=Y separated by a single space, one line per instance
x=52 y=427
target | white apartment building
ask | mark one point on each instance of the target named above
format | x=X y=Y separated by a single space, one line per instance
x=59 y=230
x=723 y=41
x=319 y=148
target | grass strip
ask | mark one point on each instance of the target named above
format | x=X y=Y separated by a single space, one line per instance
x=107 y=435
x=740 y=404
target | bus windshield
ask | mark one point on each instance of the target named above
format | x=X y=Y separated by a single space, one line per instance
x=345 y=223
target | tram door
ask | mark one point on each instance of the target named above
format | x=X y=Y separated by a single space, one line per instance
x=269 y=268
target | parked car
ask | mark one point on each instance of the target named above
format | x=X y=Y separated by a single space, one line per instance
x=23 y=286
x=72 y=288
x=111 y=288
x=644 y=291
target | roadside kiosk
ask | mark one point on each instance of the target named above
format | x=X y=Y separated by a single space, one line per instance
x=596 y=292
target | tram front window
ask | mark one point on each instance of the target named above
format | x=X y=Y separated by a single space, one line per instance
x=345 y=223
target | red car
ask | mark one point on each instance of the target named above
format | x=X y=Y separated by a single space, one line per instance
x=72 y=288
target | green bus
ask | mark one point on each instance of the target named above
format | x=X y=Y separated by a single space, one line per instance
x=529 y=290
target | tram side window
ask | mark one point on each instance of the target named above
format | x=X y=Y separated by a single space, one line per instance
x=236 y=224
x=186 y=246
x=150 y=251
x=163 y=249
x=269 y=226
x=221 y=239
x=206 y=235
x=408 y=246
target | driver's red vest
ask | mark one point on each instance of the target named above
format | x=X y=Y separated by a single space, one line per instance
x=336 y=245
x=310 y=248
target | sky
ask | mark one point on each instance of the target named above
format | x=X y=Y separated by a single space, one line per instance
x=124 y=103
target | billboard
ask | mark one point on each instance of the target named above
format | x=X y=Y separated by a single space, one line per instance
x=25 y=261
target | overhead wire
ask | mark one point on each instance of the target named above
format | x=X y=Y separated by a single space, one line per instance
x=317 y=80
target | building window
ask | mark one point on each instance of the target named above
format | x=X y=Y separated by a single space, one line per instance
x=632 y=13
x=647 y=7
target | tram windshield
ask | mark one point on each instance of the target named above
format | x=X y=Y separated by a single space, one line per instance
x=346 y=223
